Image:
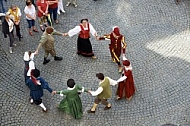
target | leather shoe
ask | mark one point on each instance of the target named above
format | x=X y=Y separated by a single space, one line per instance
x=106 y=108
x=58 y=58
x=90 y=111
x=46 y=61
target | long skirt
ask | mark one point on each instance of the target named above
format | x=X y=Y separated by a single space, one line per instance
x=72 y=106
x=125 y=89
x=84 y=47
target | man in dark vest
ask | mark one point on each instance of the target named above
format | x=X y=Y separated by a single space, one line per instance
x=103 y=93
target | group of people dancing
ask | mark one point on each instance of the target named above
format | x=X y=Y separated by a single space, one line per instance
x=71 y=103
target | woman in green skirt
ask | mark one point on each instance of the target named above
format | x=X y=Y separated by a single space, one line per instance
x=72 y=104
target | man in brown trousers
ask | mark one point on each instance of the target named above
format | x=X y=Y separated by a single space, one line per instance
x=47 y=41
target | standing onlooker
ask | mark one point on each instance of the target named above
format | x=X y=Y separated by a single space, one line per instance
x=60 y=7
x=72 y=104
x=15 y=14
x=117 y=45
x=84 y=46
x=36 y=85
x=74 y=2
x=30 y=12
x=42 y=13
x=103 y=93
x=2 y=12
x=2 y=6
x=53 y=6
x=126 y=87
x=7 y=29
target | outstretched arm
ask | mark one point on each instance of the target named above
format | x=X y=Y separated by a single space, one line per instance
x=73 y=31
x=112 y=82
x=42 y=41
x=97 y=92
x=105 y=37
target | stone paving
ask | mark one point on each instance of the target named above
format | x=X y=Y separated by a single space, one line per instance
x=157 y=34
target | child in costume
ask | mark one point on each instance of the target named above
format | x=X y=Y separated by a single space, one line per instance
x=29 y=64
x=72 y=104
x=36 y=85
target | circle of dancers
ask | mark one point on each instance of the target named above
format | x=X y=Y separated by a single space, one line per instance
x=71 y=103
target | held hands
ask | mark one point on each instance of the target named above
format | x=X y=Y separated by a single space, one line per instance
x=36 y=52
x=53 y=92
x=65 y=34
x=89 y=91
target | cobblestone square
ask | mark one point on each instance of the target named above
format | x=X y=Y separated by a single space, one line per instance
x=158 y=39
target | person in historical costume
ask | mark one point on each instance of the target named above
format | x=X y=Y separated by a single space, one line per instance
x=84 y=46
x=103 y=93
x=15 y=15
x=47 y=41
x=29 y=64
x=126 y=87
x=36 y=85
x=72 y=104
x=117 y=45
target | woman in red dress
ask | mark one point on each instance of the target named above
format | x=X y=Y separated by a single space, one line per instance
x=126 y=87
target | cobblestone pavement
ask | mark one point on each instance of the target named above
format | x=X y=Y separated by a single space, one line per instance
x=157 y=33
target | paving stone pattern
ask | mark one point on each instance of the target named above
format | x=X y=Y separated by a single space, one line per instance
x=157 y=34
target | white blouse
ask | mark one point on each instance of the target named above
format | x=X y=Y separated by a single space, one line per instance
x=77 y=29
x=100 y=89
x=30 y=11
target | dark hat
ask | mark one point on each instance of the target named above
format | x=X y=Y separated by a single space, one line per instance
x=70 y=83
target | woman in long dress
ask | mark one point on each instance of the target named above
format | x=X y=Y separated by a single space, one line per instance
x=71 y=104
x=126 y=87
x=84 y=46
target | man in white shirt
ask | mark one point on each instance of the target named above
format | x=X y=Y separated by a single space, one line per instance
x=103 y=92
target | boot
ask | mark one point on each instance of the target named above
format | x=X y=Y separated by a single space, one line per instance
x=46 y=61
x=10 y=49
x=58 y=58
